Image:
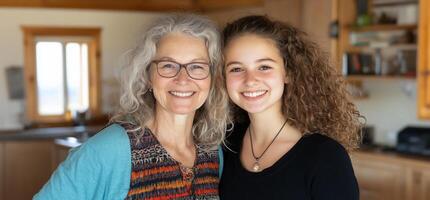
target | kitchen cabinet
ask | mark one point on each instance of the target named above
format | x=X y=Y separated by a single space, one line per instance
x=61 y=150
x=25 y=166
x=424 y=61
x=418 y=184
x=379 y=180
x=391 y=176
x=29 y=157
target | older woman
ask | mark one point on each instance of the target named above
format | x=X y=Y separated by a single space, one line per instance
x=162 y=143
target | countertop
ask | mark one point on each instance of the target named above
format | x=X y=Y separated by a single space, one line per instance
x=49 y=133
x=390 y=154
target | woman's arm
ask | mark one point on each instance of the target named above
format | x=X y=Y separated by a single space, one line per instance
x=98 y=169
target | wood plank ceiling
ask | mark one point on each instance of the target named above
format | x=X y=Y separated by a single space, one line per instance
x=139 y=5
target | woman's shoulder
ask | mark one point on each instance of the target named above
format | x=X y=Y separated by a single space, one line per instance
x=320 y=141
x=109 y=133
x=324 y=149
x=332 y=172
x=112 y=139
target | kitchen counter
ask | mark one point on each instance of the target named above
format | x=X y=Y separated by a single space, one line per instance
x=383 y=173
x=391 y=155
x=50 y=133
x=29 y=157
x=69 y=142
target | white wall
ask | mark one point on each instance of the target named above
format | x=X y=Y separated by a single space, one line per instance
x=120 y=31
x=392 y=105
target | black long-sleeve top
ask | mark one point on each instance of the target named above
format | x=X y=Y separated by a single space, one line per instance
x=316 y=168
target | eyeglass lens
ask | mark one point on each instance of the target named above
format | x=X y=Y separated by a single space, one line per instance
x=195 y=70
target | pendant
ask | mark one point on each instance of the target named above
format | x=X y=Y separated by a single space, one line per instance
x=187 y=173
x=256 y=166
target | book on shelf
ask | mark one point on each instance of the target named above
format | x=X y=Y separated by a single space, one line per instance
x=358 y=64
x=401 y=64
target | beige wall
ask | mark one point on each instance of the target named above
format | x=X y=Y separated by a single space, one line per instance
x=222 y=17
x=316 y=16
x=299 y=13
x=289 y=11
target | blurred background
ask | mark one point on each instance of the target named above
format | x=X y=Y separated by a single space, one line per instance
x=59 y=62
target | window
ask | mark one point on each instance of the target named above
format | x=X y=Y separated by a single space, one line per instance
x=61 y=72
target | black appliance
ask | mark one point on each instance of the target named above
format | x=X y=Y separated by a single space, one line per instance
x=414 y=140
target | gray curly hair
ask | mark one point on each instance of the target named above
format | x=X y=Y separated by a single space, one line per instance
x=137 y=105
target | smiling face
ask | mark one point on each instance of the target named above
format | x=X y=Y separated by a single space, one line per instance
x=180 y=94
x=255 y=73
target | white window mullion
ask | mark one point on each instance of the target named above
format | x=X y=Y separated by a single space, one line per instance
x=81 y=84
x=84 y=76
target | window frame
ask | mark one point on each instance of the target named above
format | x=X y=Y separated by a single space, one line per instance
x=30 y=35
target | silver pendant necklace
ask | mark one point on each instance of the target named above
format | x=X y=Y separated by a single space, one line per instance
x=256 y=167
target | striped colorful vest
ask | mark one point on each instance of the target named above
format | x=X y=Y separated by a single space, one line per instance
x=157 y=176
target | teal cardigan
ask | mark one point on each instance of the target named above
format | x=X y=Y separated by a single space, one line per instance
x=98 y=169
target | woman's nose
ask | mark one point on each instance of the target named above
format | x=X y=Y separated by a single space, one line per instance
x=182 y=75
x=250 y=78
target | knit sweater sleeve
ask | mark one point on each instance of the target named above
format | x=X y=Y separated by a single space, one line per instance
x=98 y=169
x=333 y=177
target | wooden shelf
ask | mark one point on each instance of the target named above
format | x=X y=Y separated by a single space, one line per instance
x=378 y=77
x=393 y=3
x=370 y=48
x=358 y=49
x=383 y=27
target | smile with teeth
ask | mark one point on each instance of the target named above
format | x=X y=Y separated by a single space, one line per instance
x=254 y=94
x=181 y=94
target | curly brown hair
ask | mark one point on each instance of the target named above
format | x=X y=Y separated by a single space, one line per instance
x=315 y=100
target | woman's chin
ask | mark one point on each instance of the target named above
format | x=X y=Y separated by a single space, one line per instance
x=182 y=110
x=251 y=109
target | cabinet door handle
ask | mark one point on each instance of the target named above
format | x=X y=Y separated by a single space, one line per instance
x=417 y=178
x=425 y=73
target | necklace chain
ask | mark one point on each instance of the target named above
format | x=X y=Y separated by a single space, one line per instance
x=257 y=158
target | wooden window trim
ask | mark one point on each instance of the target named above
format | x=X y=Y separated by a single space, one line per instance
x=30 y=34
x=424 y=61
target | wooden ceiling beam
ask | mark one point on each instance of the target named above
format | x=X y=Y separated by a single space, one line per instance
x=209 y=5
x=141 y=5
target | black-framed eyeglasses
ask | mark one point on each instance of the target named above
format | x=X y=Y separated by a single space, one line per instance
x=170 y=69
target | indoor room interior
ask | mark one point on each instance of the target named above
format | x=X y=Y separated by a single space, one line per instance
x=380 y=47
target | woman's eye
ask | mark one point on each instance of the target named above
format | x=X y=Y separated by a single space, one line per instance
x=235 y=69
x=168 y=66
x=264 y=67
x=196 y=66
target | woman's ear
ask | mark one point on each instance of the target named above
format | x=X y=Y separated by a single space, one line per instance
x=286 y=80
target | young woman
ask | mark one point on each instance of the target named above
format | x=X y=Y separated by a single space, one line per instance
x=300 y=121
x=163 y=142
